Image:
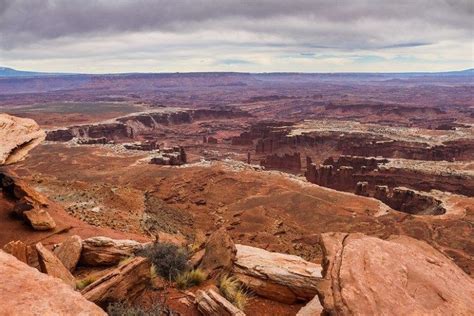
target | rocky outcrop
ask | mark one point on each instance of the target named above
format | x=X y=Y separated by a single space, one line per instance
x=52 y=266
x=400 y=276
x=174 y=156
x=362 y=188
x=145 y=146
x=285 y=162
x=281 y=277
x=104 y=251
x=69 y=252
x=26 y=291
x=210 y=303
x=219 y=255
x=18 y=136
x=29 y=204
x=124 y=283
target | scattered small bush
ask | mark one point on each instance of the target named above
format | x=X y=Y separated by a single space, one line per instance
x=190 y=278
x=123 y=309
x=81 y=284
x=233 y=291
x=168 y=259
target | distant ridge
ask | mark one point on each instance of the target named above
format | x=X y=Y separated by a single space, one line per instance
x=6 y=72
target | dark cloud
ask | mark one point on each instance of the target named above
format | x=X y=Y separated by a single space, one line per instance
x=346 y=24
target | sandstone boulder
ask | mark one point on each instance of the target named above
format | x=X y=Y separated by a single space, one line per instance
x=125 y=282
x=219 y=255
x=69 y=252
x=52 y=266
x=401 y=276
x=17 y=249
x=313 y=308
x=40 y=219
x=19 y=136
x=281 y=277
x=100 y=251
x=26 y=291
x=210 y=303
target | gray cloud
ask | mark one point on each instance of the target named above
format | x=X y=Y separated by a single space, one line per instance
x=322 y=23
x=248 y=35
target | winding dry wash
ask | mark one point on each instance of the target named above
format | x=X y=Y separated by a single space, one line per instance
x=307 y=164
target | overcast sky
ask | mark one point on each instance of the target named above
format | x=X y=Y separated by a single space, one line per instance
x=97 y=36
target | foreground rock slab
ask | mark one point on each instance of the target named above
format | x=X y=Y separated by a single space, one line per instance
x=19 y=136
x=104 y=251
x=211 y=303
x=52 y=266
x=280 y=277
x=69 y=252
x=401 y=276
x=123 y=283
x=26 y=291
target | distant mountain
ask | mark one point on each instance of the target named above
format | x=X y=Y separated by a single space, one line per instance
x=6 y=72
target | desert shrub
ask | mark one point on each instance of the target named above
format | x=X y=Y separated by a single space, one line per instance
x=123 y=309
x=190 y=278
x=233 y=291
x=81 y=284
x=168 y=259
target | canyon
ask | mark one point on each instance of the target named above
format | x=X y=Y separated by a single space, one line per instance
x=308 y=190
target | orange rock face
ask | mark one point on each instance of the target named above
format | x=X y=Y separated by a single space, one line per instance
x=401 y=276
x=25 y=291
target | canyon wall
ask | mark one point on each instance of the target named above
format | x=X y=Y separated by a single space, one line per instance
x=283 y=162
x=130 y=126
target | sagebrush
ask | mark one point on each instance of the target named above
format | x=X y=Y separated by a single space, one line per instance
x=169 y=260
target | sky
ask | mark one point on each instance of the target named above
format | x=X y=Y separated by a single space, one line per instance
x=112 y=36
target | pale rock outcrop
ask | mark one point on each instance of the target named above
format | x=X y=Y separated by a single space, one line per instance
x=313 y=308
x=19 y=136
x=219 y=255
x=97 y=251
x=69 y=252
x=26 y=291
x=281 y=277
x=52 y=266
x=400 y=276
x=125 y=282
x=210 y=303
